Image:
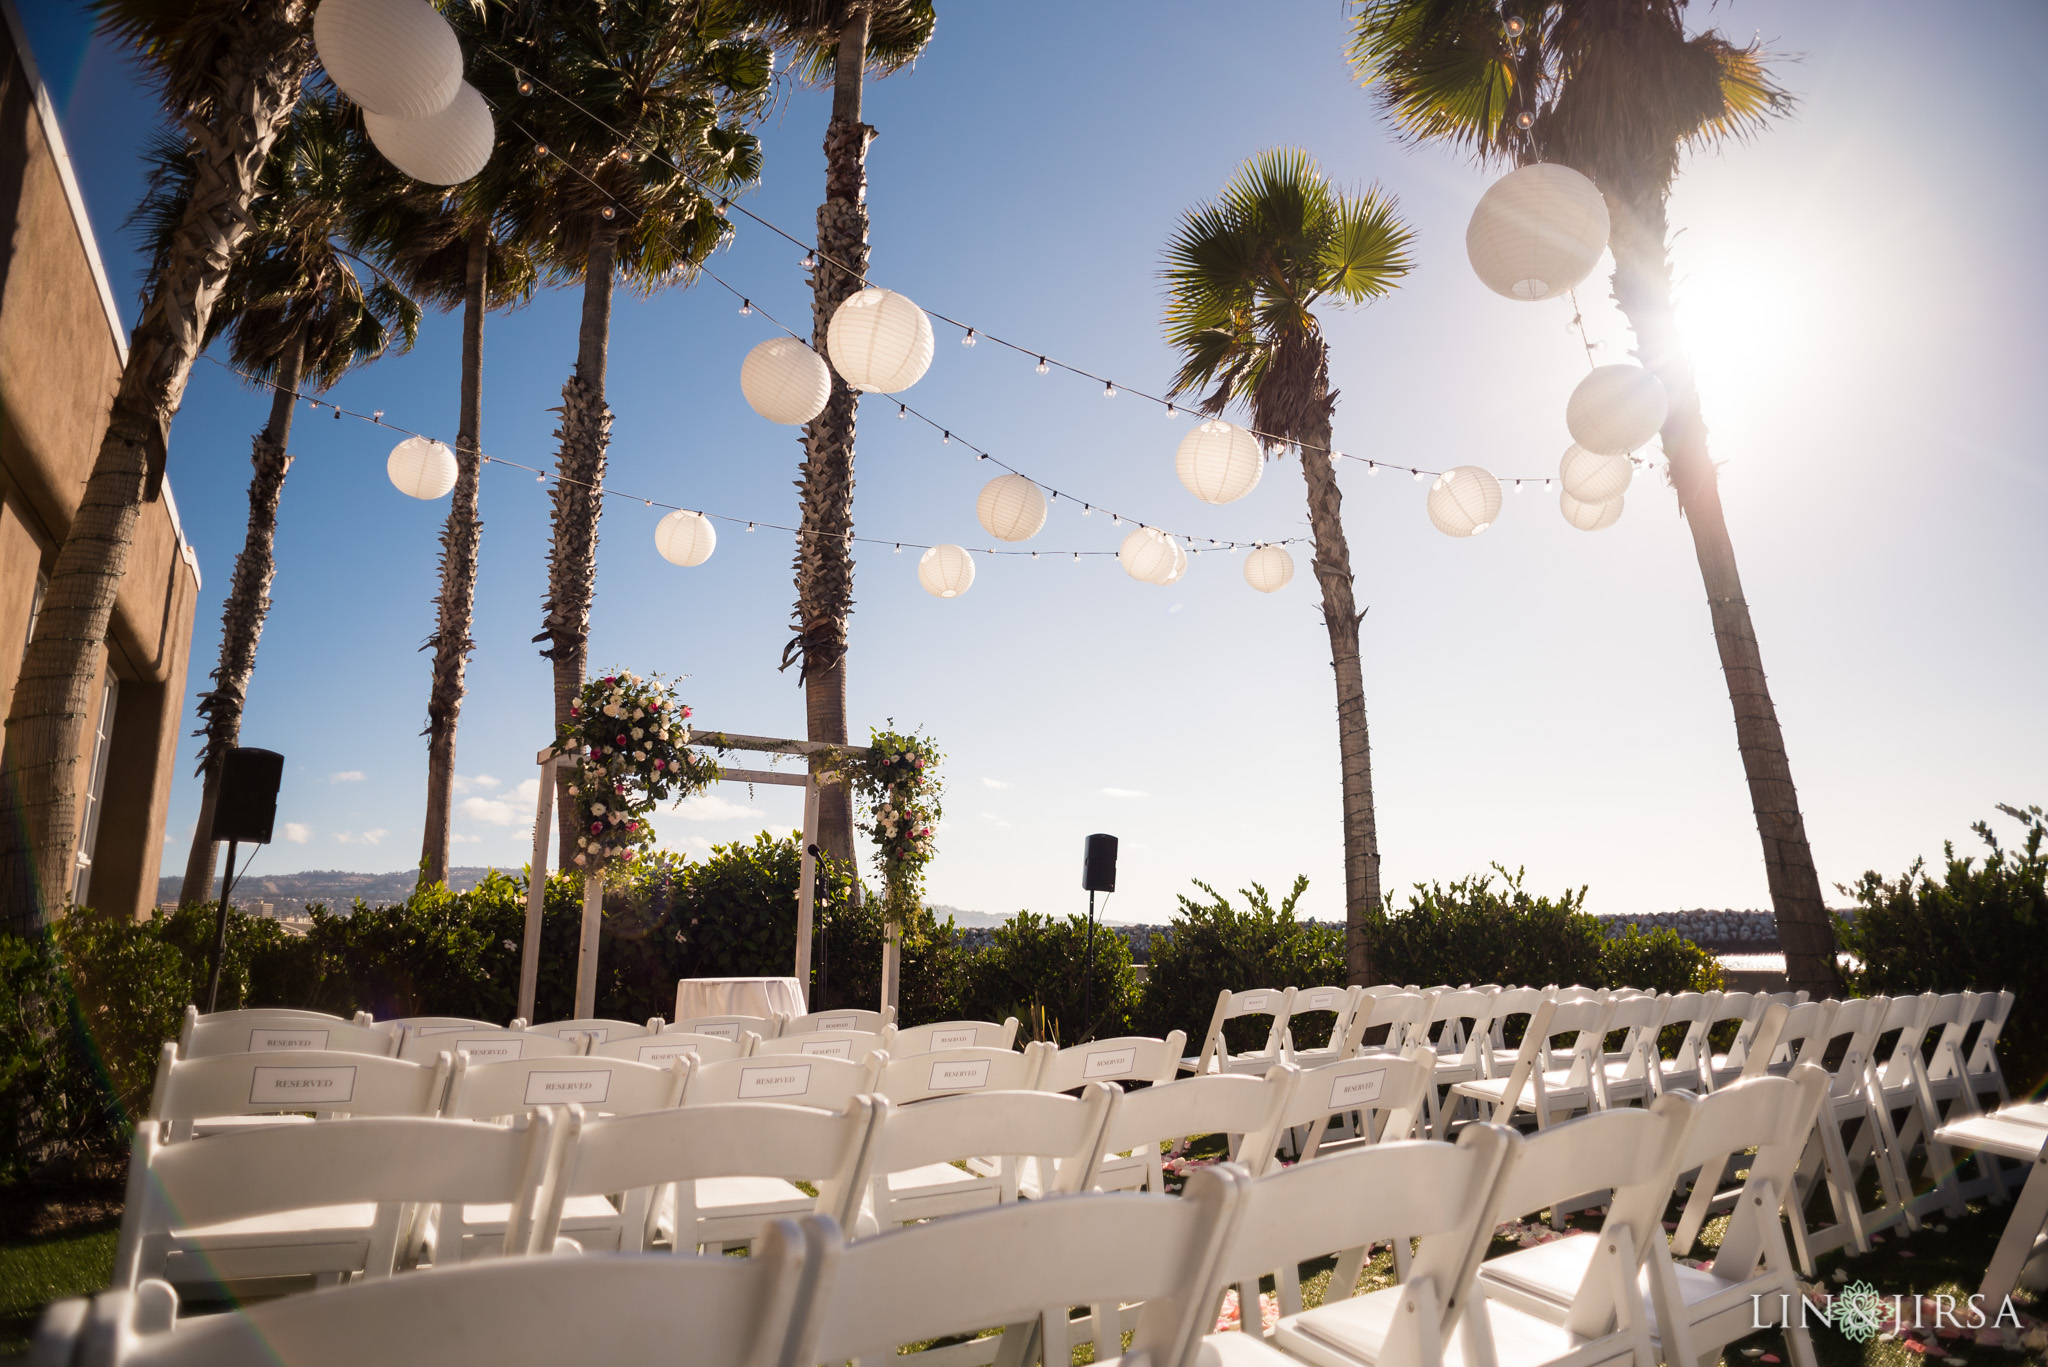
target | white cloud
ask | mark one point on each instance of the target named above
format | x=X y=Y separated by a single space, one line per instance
x=298 y=832
x=1175 y=608
x=527 y=791
x=996 y=783
x=458 y=838
x=697 y=842
x=463 y=783
x=374 y=837
x=488 y=809
x=1124 y=792
x=711 y=807
x=346 y=776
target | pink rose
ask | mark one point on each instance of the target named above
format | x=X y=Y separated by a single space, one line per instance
x=596 y=827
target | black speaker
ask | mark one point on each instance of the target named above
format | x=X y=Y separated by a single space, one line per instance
x=247 y=806
x=1098 y=864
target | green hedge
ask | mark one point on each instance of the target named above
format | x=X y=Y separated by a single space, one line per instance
x=1032 y=969
x=1214 y=945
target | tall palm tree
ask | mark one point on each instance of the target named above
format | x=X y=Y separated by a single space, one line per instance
x=1244 y=276
x=640 y=105
x=230 y=72
x=297 y=314
x=839 y=41
x=1617 y=90
x=446 y=248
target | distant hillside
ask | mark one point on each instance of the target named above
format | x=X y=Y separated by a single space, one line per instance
x=289 y=893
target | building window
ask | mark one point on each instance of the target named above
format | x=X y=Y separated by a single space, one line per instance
x=95 y=789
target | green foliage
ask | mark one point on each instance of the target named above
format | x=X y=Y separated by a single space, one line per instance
x=1978 y=927
x=1660 y=961
x=1215 y=946
x=933 y=962
x=1032 y=969
x=631 y=739
x=899 y=781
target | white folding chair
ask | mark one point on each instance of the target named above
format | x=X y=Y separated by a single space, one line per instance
x=720 y=1174
x=1387 y=1093
x=328 y=1200
x=942 y=1035
x=597 y=1029
x=1439 y=1193
x=663 y=1049
x=1215 y=1055
x=1462 y=1021
x=726 y=1027
x=1405 y=1016
x=514 y=1089
x=432 y=1025
x=1852 y=1110
x=277 y=1032
x=947 y=1072
x=1985 y=1072
x=193 y=1017
x=1685 y=1070
x=1805 y=1032
x=1341 y=1003
x=1243 y=1108
x=914 y=1149
x=1020 y=1266
x=1945 y=1095
x=237 y=1091
x=845 y=1018
x=1630 y=1076
x=2019 y=1133
x=820 y=1082
x=1743 y=1010
x=851 y=1045
x=1508 y=1004
x=1130 y=1058
x=730 y=1311
x=1533 y=1084
x=486 y=1046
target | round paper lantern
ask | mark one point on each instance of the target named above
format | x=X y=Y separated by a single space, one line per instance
x=440 y=149
x=1464 y=501
x=421 y=468
x=1589 y=517
x=1219 y=462
x=785 y=381
x=1269 y=568
x=946 y=571
x=397 y=58
x=1616 y=409
x=1537 y=232
x=880 y=342
x=1152 y=557
x=685 y=538
x=1010 y=507
x=1591 y=478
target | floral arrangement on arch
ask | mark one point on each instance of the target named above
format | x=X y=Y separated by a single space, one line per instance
x=631 y=738
x=899 y=780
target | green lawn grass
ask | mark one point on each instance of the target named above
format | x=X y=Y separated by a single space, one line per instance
x=34 y=1272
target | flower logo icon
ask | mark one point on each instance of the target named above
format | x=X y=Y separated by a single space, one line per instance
x=1858 y=1312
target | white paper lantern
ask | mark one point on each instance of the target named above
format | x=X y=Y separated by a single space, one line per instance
x=1537 y=232
x=1464 y=501
x=1269 y=568
x=441 y=149
x=1151 y=556
x=1180 y=562
x=880 y=342
x=685 y=538
x=785 y=381
x=1592 y=478
x=1616 y=409
x=421 y=468
x=1589 y=517
x=1011 y=508
x=946 y=571
x=1219 y=462
x=397 y=58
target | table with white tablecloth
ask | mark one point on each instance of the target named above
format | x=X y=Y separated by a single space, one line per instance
x=699 y=997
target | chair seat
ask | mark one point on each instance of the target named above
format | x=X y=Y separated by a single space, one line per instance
x=933 y=1178
x=721 y=1195
x=1339 y=1333
x=1232 y=1349
x=1521 y=1339
x=310 y=1220
x=1549 y=1272
x=1557 y=1093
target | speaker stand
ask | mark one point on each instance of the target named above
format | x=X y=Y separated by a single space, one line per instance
x=1088 y=977
x=220 y=931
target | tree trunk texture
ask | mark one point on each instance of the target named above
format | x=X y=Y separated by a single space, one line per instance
x=1642 y=287
x=585 y=435
x=259 y=82
x=455 y=606
x=824 y=551
x=1341 y=617
x=242 y=618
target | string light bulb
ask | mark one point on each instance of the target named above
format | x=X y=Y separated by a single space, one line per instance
x=541 y=148
x=378 y=416
x=1417 y=474
x=746 y=308
x=968 y=340
x=1108 y=390
x=1525 y=120
x=810 y=261
x=607 y=213
x=525 y=86
x=902 y=411
x=1372 y=467
x=750 y=526
x=1172 y=412
x=1042 y=367
x=945 y=439
x=1515 y=27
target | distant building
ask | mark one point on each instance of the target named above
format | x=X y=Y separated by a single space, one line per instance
x=62 y=349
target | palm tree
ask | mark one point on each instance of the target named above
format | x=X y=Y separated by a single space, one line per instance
x=641 y=107
x=447 y=250
x=230 y=71
x=296 y=314
x=1243 y=277
x=837 y=40
x=1617 y=89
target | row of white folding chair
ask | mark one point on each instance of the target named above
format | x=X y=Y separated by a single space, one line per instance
x=1283 y=1004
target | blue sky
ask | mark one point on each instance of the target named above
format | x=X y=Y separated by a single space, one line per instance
x=1863 y=290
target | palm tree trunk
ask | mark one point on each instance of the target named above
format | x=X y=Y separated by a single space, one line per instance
x=259 y=83
x=456 y=605
x=1642 y=287
x=585 y=435
x=824 y=553
x=1354 y=742
x=241 y=620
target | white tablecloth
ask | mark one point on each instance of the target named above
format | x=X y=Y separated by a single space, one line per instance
x=697 y=997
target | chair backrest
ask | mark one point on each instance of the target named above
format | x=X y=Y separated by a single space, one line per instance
x=930 y=1039
x=826 y=1083
x=852 y=1045
x=280 y=1032
x=948 y=1072
x=1511 y=1002
x=1004 y=1125
x=726 y=1027
x=1774 y=1116
x=845 y=1018
x=1583 y=1018
x=662 y=1049
x=270 y=1084
x=430 y=1025
x=1806 y=1022
x=1910 y=1017
x=1640 y=1018
x=1130 y=1058
x=1466 y=1015
x=1257 y=1001
x=1390 y=1091
x=1208 y=1103
x=1983 y=1059
x=485 y=1091
x=1340 y=1002
x=603 y=1308
x=486 y=1046
x=1443 y=1194
x=1857 y=1022
x=1405 y=1014
x=598 y=1029
x=1017 y=1263
x=1694 y=1011
x=282 y=1168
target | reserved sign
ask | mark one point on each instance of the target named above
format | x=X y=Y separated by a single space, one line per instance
x=309 y=1088
x=790 y=1079
x=1110 y=1062
x=953 y=1039
x=718 y=1029
x=439 y=1029
x=1356 y=1089
x=1254 y=1001
x=1325 y=1000
x=491 y=1048
x=271 y=1041
x=839 y=1022
x=596 y=1033
x=667 y=1052
x=591 y=1086
x=962 y=1076
x=827 y=1048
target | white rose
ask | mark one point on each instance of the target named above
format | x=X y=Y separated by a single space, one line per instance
x=579 y=859
x=597 y=808
x=637 y=733
x=639 y=756
x=638 y=713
